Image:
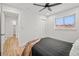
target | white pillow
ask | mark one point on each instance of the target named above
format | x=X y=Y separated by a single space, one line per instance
x=75 y=49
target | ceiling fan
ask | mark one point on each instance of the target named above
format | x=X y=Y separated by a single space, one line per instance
x=47 y=5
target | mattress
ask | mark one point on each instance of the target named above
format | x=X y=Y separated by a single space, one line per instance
x=51 y=47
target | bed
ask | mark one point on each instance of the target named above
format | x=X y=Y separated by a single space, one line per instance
x=51 y=47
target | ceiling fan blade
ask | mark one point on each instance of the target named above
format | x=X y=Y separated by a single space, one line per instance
x=49 y=9
x=38 y=5
x=42 y=9
x=55 y=4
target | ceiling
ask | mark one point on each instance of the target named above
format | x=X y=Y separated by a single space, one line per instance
x=34 y=9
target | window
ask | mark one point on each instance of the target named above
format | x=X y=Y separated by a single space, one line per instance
x=59 y=21
x=65 y=22
x=70 y=20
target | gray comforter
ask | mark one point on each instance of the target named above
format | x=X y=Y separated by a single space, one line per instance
x=51 y=47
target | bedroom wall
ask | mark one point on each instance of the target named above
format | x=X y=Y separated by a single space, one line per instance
x=31 y=26
x=65 y=35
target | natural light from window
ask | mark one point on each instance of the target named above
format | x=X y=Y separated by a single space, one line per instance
x=65 y=22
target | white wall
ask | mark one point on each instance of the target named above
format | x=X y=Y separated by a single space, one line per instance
x=31 y=26
x=65 y=35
